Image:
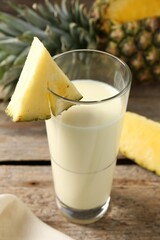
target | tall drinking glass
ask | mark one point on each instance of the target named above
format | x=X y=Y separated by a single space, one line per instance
x=84 y=139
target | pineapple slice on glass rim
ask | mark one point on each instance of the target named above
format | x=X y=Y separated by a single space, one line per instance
x=31 y=99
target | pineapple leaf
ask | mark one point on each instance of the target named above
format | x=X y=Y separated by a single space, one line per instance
x=92 y=27
x=50 y=7
x=4 y=28
x=42 y=11
x=77 y=12
x=11 y=75
x=66 y=42
x=57 y=30
x=83 y=15
x=12 y=46
x=20 y=25
x=2 y=71
x=33 y=18
x=8 y=90
x=3 y=55
x=8 y=60
x=66 y=9
x=21 y=57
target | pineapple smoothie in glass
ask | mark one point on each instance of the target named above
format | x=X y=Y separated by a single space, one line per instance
x=84 y=139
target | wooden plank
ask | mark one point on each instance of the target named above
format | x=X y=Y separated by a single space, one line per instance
x=134 y=209
x=146 y=90
x=146 y=106
x=145 y=100
x=22 y=141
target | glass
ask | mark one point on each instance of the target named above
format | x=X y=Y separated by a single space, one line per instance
x=84 y=139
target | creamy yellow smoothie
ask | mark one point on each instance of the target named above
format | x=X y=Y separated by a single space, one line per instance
x=83 y=143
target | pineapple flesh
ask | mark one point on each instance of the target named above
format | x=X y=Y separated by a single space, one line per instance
x=31 y=99
x=124 y=10
x=140 y=141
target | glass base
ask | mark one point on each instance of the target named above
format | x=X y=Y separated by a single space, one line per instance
x=83 y=216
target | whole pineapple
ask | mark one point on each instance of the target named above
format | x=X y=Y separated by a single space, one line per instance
x=72 y=26
x=130 y=29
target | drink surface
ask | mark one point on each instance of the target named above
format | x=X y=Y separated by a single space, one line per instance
x=83 y=144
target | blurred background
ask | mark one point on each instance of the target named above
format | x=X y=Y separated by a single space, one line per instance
x=4 y=6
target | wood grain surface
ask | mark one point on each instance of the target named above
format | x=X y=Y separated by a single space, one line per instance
x=133 y=214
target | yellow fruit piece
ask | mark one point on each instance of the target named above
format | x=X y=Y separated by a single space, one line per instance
x=31 y=99
x=130 y=10
x=140 y=141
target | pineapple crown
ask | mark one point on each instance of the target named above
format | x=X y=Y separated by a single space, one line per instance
x=60 y=28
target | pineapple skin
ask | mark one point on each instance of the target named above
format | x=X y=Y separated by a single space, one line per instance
x=137 y=43
x=140 y=141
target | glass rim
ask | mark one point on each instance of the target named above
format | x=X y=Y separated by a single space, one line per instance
x=120 y=93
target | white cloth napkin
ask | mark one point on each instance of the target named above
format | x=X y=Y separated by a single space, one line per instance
x=17 y=222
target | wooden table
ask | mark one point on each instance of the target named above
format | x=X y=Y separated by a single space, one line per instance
x=25 y=171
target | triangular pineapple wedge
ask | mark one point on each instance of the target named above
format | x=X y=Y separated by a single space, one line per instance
x=140 y=141
x=31 y=99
